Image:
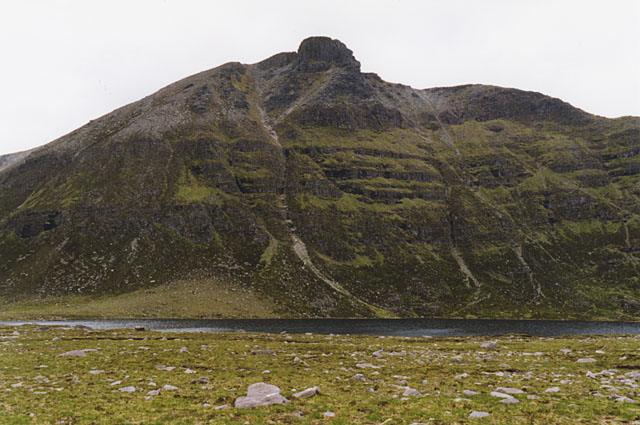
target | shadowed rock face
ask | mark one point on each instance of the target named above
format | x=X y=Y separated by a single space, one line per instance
x=331 y=192
x=317 y=54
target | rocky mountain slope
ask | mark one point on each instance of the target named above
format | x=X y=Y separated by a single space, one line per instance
x=325 y=191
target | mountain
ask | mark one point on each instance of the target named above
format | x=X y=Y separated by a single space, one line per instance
x=300 y=186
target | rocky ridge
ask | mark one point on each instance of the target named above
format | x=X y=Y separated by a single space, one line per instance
x=330 y=192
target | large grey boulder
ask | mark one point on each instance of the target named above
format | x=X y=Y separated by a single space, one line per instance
x=260 y=394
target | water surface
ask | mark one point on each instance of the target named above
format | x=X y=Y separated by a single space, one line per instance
x=395 y=327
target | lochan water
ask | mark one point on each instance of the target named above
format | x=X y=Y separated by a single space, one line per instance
x=389 y=327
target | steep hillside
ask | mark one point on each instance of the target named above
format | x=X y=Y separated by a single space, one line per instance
x=325 y=191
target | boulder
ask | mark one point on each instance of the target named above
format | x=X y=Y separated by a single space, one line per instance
x=260 y=394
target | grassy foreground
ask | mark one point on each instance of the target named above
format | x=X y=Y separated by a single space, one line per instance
x=37 y=386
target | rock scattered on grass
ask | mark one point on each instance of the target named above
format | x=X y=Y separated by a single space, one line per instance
x=508 y=390
x=469 y=392
x=329 y=414
x=367 y=366
x=263 y=352
x=552 y=390
x=411 y=392
x=168 y=387
x=586 y=360
x=499 y=394
x=309 y=392
x=167 y=368
x=73 y=353
x=359 y=377
x=478 y=414
x=127 y=389
x=260 y=394
x=510 y=400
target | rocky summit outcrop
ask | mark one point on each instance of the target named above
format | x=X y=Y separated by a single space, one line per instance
x=330 y=192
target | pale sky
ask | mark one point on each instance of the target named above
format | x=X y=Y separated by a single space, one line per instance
x=67 y=62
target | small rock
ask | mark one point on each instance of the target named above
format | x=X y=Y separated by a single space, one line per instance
x=223 y=406
x=329 y=414
x=499 y=394
x=624 y=400
x=74 y=353
x=367 y=366
x=510 y=400
x=552 y=390
x=461 y=376
x=586 y=360
x=140 y=328
x=127 y=389
x=309 y=392
x=189 y=371
x=469 y=392
x=634 y=375
x=478 y=415
x=96 y=371
x=412 y=392
x=359 y=377
x=458 y=400
x=532 y=397
x=489 y=344
x=263 y=352
x=508 y=390
x=169 y=387
x=83 y=327
x=154 y=392
x=297 y=359
x=202 y=380
x=167 y=368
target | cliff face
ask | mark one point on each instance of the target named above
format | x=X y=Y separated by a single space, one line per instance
x=333 y=193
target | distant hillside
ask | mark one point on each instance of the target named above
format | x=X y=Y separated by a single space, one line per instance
x=309 y=188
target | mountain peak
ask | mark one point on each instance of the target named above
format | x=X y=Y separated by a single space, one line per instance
x=318 y=53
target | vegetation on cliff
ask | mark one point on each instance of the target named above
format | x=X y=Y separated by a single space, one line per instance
x=325 y=191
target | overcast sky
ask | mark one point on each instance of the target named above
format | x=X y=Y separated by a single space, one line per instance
x=67 y=62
